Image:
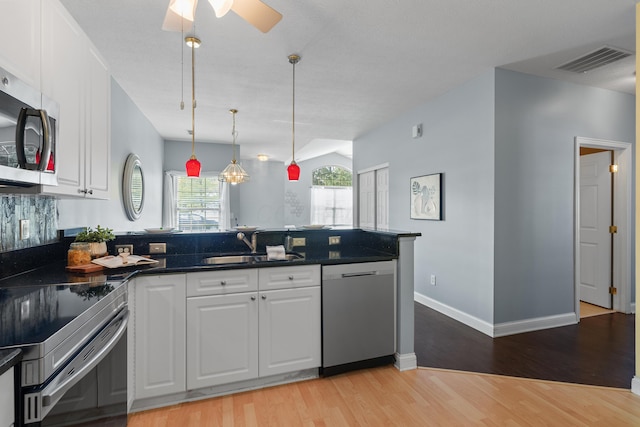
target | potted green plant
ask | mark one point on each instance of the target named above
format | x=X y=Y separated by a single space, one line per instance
x=97 y=239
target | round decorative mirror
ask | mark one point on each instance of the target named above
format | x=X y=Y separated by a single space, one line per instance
x=133 y=187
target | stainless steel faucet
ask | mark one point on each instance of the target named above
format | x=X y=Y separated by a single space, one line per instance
x=253 y=244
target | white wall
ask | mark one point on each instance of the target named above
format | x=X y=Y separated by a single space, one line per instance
x=458 y=142
x=131 y=132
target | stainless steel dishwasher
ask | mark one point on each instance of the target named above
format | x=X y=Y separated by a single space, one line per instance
x=358 y=315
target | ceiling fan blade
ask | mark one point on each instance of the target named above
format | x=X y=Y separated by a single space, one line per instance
x=173 y=21
x=257 y=13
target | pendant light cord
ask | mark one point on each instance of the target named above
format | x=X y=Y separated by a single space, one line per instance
x=234 y=134
x=293 y=115
x=193 y=98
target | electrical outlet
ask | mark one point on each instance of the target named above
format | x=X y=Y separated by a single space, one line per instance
x=299 y=241
x=124 y=249
x=334 y=240
x=433 y=279
x=157 y=248
x=24 y=229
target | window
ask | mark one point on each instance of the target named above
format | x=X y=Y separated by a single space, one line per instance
x=331 y=196
x=198 y=203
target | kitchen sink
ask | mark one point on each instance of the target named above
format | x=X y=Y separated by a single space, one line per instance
x=287 y=257
x=244 y=259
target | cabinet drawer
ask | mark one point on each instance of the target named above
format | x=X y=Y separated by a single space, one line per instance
x=222 y=282
x=289 y=277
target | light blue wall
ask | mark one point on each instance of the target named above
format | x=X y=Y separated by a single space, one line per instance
x=213 y=158
x=297 y=194
x=261 y=199
x=458 y=142
x=131 y=132
x=537 y=120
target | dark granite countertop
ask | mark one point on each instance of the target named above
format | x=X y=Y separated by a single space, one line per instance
x=9 y=358
x=56 y=274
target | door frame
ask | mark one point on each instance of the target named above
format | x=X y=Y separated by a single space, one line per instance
x=622 y=217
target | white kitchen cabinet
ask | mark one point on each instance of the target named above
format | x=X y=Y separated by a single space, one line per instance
x=78 y=79
x=290 y=328
x=289 y=277
x=20 y=34
x=252 y=332
x=222 y=339
x=159 y=335
x=7 y=409
x=222 y=282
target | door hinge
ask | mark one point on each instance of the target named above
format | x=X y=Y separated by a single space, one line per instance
x=613 y=168
x=613 y=290
x=613 y=229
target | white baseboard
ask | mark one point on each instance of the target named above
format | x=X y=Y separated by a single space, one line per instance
x=536 y=324
x=405 y=362
x=635 y=385
x=499 y=329
x=454 y=313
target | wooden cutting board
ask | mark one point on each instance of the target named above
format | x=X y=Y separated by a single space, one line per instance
x=85 y=268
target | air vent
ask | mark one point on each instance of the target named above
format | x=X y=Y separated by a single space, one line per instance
x=603 y=56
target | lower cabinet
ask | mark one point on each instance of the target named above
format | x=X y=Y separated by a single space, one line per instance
x=248 y=335
x=206 y=329
x=222 y=339
x=159 y=335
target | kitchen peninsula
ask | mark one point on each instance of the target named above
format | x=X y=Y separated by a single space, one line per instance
x=172 y=289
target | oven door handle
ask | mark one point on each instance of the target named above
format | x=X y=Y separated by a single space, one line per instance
x=86 y=360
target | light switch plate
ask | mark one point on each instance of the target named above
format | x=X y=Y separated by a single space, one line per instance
x=157 y=248
x=299 y=241
x=24 y=229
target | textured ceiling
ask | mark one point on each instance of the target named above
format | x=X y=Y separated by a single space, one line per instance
x=364 y=62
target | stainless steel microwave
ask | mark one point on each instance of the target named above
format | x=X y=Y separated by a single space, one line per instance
x=28 y=135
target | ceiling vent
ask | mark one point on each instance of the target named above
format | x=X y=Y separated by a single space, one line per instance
x=603 y=56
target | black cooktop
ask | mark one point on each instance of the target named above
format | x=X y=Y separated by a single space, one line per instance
x=31 y=314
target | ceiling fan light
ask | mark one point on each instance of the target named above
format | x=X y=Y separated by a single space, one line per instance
x=293 y=171
x=221 y=7
x=193 y=167
x=184 y=8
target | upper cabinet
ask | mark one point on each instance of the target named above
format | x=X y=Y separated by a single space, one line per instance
x=20 y=35
x=77 y=77
x=42 y=44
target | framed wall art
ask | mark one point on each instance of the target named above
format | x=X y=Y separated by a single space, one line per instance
x=426 y=197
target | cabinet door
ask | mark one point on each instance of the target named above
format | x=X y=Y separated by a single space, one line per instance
x=222 y=282
x=222 y=339
x=289 y=330
x=20 y=33
x=289 y=277
x=7 y=409
x=160 y=328
x=63 y=80
x=98 y=127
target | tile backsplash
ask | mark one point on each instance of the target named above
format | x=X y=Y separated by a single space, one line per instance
x=41 y=211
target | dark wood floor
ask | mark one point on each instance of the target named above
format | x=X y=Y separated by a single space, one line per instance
x=597 y=351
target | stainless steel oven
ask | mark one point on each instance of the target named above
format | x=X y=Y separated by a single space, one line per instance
x=28 y=134
x=74 y=343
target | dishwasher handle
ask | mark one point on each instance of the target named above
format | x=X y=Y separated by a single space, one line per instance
x=360 y=273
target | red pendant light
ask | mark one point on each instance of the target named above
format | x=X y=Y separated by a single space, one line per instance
x=293 y=171
x=193 y=165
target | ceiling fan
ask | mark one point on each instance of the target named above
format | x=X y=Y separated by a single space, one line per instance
x=180 y=13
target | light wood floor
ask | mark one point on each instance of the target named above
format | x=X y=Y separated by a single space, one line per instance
x=422 y=397
x=588 y=310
